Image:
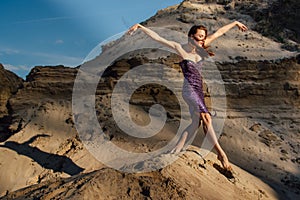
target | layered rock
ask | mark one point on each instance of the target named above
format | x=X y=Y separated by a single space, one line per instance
x=43 y=85
x=262 y=110
x=9 y=83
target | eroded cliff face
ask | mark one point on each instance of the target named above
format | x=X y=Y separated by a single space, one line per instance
x=262 y=103
x=9 y=83
x=250 y=85
x=43 y=85
x=277 y=19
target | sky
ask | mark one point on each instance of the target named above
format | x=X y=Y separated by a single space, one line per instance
x=54 y=32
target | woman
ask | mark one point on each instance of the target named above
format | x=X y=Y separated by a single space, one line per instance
x=192 y=55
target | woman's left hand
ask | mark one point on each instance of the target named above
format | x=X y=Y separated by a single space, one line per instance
x=241 y=26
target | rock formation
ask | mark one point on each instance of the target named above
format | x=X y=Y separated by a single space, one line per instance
x=10 y=83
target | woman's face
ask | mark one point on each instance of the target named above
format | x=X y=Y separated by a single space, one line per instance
x=199 y=36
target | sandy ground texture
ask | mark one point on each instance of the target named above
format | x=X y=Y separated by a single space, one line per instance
x=190 y=177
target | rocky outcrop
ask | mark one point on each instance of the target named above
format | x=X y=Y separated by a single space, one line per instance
x=268 y=82
x=263 y=82
x=9 y=83
x=43 y=84
x=262 y=101
x=56 y=81
x=277 y=19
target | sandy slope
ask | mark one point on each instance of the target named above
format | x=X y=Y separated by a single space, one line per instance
x=190 y=177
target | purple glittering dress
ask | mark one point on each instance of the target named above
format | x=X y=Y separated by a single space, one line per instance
x=192 y=87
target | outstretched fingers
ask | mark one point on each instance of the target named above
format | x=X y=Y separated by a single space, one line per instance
x=242 y=27
x=132 y=29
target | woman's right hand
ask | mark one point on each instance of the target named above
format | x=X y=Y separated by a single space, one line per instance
x=133 y=28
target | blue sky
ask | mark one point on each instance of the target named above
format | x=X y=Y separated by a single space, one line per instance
x=52 y=32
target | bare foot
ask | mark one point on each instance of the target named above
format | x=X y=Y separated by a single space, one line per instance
x=176 y=150
x=225 y=163
x=179 y=146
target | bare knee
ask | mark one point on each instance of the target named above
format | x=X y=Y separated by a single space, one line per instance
x=207 y=121
x=196 y=120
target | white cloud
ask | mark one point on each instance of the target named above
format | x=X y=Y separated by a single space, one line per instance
x=16 y=68
x=56 y=59
x=59 y=42
x=45 y=19
x=9 y=51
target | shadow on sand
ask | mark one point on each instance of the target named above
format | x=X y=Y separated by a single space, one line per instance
x=55 y=162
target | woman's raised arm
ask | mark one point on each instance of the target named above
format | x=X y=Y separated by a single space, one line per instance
x=223 y=30
x=171 y=44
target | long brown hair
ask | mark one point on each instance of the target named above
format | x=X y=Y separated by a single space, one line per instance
x=193 y=30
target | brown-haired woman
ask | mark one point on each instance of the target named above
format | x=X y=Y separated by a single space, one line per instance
x=192 y=56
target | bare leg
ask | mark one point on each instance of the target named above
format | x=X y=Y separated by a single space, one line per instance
x=187 y=134
x=180 y=144
x=209 y=130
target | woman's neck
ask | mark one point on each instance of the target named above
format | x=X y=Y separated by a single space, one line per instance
x=192 y=48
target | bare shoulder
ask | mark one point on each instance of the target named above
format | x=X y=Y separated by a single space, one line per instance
x=178 y=45
x=209 y=39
